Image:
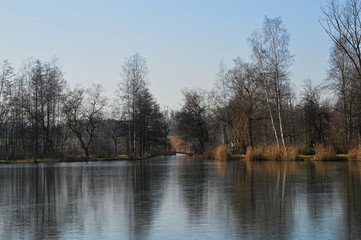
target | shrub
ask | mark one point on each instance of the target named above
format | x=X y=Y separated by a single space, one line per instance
x=221 y=153
x=355 y=154
x=324 y=153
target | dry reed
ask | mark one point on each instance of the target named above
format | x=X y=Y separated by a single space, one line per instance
x=324 y=153
x=273 y=153
x=355 y=154
x=207 y=153
x=221 y=153
x=255 y=153
x=290 y=154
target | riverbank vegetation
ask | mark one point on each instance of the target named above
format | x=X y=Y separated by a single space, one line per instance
x=253 y=104
x=252 y=111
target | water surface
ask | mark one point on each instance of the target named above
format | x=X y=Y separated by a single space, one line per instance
x=181 y=198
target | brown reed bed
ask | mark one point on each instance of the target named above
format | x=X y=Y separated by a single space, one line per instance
x=355 y=154
x=221 y=153
x=272 y=153
x=324 y=153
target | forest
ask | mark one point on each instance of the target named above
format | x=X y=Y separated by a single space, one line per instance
x=252 y=103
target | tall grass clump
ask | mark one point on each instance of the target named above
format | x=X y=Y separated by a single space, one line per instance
x=355 y=154
x=208 y=153
x=324 y=153
x=276 y=153
x=221 y=153
x=273 y=153
x=290 y=154
x=255 y=153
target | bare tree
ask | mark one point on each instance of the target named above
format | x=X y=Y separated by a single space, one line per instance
x=7 y=76
x=41 y=100
x=342 y=79
x=192 y=119
x=244 y=83
x=84 y=110
x=315 y=116
x=165 y=126
x=271 y=53
x=134 y=74
x=342 y=23
x=220 y=97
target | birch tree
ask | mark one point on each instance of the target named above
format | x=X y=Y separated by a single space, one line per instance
x=270 y=49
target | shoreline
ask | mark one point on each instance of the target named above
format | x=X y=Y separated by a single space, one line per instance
x=239 y=157
x=49 y=160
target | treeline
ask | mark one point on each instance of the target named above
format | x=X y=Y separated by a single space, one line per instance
x=42 y=117
x=253 y=103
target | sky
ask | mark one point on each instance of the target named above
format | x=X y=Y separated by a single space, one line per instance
x=183 y=41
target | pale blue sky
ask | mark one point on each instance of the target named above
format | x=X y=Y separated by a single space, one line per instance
x=183 y=41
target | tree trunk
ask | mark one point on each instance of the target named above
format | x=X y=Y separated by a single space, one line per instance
x=279 y=109
x=271 y=116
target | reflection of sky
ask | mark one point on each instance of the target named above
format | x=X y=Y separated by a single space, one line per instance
x=319 y=215
x=177 y=199
x=174 y=222
x=328 y=225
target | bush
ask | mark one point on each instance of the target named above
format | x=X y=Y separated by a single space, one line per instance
x=221 y=153
x=355 y=154
x=324 y=153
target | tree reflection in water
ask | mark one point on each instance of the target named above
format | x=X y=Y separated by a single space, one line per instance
x=181 y=197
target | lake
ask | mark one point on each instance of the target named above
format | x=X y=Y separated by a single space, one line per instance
x=179 y=197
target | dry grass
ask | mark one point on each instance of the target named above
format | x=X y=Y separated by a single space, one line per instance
x=178 y=142
x=207 y=154
x=324 y=153
x=279 y=153
x=290 y=154
x=255 y=153
x=221 y=153
x=273 y=153
x=355 y=154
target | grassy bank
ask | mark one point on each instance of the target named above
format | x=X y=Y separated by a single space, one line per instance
x=220 y=154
